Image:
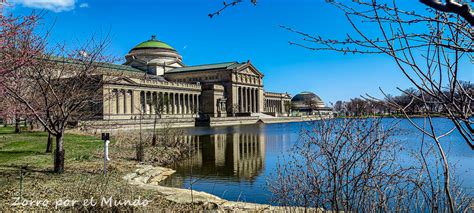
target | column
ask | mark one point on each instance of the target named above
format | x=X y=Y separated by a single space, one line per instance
x=166 y=103
x=170 y=109
x=197 y=104
x=259 y=108
x=185 y=109
x=128 y=102
x=154 y=102
x=150 y=100
x=135 y=101
x=161 y=102
x=280 y=106
x=123 y=101
x=249 y=104
x=255 y=92
x=118 y=101
x=251 y=99
x=240 y=99
x=183 y=106
x=244 y=100
x=145 y=104
x=178 y=103
x=113 y=102
x=193 y=104
x=188 y=104
x=193 y=107
x=150 y=103
x=142 y=102
x=173 y=103
x=255 y=100
x=235 y=100
x=145 y=109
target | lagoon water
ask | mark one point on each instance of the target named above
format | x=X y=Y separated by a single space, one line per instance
x=236 y=162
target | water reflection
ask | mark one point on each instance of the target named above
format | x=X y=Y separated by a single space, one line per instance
x=239 y=156
x=236 y=162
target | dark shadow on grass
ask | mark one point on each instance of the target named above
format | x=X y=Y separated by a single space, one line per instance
x=9 y=133
x=25 y=152
x=26 y=168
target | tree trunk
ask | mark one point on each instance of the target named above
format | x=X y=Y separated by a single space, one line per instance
x=59 y=154
x=31 y=124
x=17 y=125
x=153 y=140
x=49 y=146
x=139 y=147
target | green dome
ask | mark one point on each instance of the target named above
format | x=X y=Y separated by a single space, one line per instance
x=153 y=43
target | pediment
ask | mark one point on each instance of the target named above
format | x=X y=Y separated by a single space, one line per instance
x=125 y=80
x=249 y=69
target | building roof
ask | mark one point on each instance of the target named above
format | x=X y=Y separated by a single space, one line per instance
x=98 y=64
x=225 y=65
x=153 y=43
x=120 y=67
x=306 y=97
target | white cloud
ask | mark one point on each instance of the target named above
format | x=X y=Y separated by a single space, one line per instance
x=84 y=5
x=53 y=5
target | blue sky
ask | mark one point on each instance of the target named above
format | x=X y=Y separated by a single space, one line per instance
x=240 y=33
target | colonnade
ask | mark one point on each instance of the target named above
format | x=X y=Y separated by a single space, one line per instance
x=123 y=101
x=169 y=103
x=277 y=106
x=248 y=99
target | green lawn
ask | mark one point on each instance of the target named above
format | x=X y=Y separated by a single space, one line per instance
x=28 y=148
x=82 y=179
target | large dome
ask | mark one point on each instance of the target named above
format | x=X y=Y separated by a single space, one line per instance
x=307 y=99
x=153 y=43
x=154 y=56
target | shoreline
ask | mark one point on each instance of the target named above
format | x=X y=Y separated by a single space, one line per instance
x=148 y=177
x=120 y=125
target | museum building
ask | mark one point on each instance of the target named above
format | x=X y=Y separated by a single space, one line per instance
x=154 y=78
x=155 y=81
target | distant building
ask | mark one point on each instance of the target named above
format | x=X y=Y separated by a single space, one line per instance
x=308 y=103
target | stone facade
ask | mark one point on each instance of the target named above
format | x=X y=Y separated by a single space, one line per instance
x=277 y=104
x=132 y=98
x=154 y=83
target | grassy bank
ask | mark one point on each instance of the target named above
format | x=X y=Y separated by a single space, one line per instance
x=28 y=148
x=25 y=171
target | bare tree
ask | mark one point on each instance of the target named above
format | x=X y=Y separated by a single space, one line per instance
x=427 y=47
x=64 y=87
x=429 y=58
x=159 y=108
x=452 y=6
x=354 y=165
x=19 y=44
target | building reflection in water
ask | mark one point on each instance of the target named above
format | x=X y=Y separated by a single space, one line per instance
x=234 y=156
